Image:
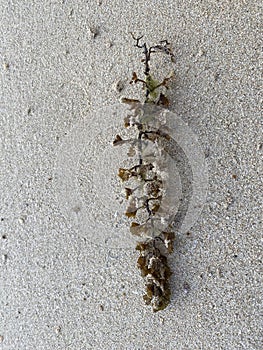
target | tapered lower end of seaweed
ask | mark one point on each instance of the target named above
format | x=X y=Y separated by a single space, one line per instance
x=153 y=264
x=155 y=296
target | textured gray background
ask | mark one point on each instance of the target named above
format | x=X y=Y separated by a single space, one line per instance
x=60 y=291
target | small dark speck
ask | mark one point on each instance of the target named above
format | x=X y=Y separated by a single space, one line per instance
x=4 y=236
x=207 y=152
x=76 y=209
x=235 y=256
x=57 y=329
x=234 y=176
x=220 y=272
x=2 y=219
x=118 y=86
x=186 y=287
x=101 y=307
x=22 y=219
x=259 y=147
x=29 y=111
x=6 y=65
x=94 y=31
x=50 y=178
x=217 y=76
x=161 y=320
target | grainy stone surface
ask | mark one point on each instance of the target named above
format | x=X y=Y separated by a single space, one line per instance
x=59 y=60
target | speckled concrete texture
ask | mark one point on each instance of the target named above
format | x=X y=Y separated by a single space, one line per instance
x=61 y=290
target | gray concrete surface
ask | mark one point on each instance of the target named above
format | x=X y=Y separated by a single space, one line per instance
x=62 y=290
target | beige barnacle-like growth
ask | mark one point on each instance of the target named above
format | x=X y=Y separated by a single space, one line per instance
x=148 y=181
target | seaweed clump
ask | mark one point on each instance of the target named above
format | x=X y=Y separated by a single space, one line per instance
x=147 y=181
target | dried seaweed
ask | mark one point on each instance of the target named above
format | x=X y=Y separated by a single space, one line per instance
x=145 y=199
